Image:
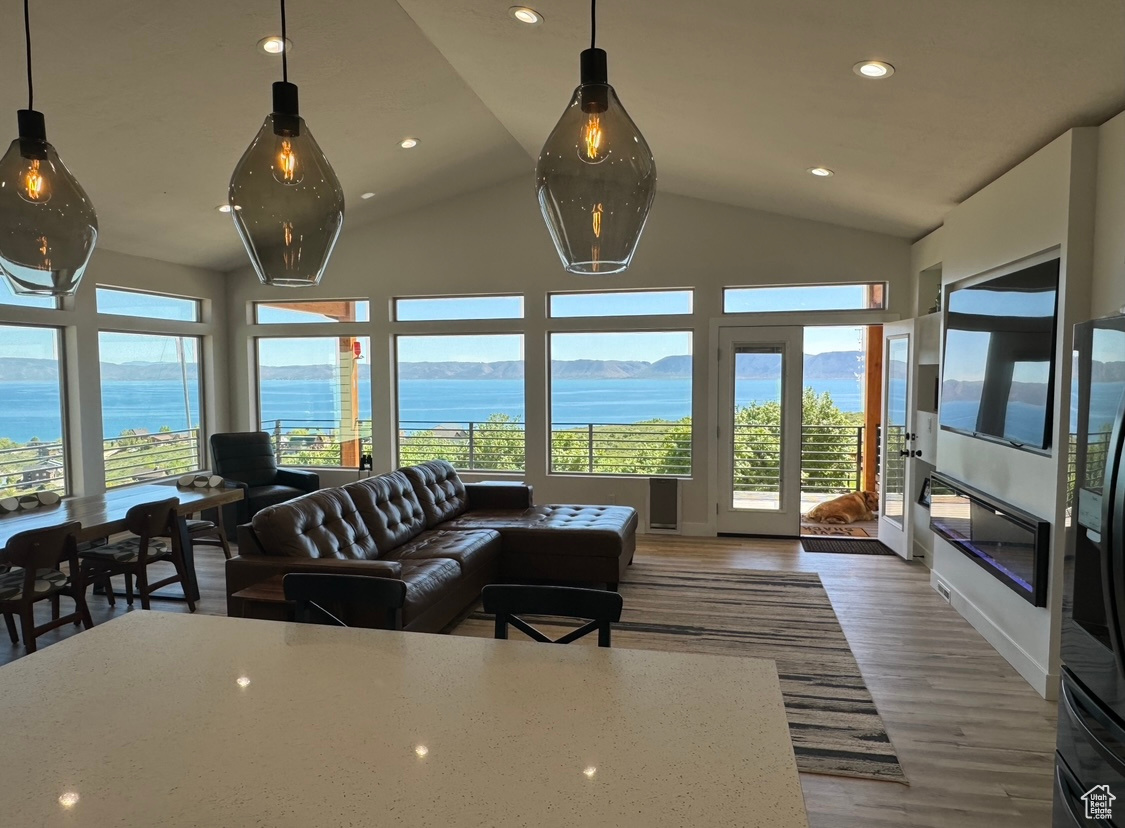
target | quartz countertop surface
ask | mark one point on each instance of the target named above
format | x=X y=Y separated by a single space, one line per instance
x=176 y=720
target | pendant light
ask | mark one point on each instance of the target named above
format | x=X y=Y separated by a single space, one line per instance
x=596 y=177
x=48 y=226
x=286 y=201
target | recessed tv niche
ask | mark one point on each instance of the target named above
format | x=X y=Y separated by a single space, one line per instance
x=998 y=369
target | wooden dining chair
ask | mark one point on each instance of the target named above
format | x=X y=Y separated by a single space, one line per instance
x=208 y=533
x=155 y=538
x=35 y=574
x=345 y=600
x=510 y=601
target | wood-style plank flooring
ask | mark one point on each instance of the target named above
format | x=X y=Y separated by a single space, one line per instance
x=975 y=740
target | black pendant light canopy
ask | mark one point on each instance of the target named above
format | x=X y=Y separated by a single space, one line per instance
x=286 y=200
x=48 y=226
x=596 y=176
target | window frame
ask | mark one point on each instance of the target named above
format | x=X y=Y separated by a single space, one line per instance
x=690 y=291
x=396 y=411
x=396 y=320
x=550 y=382
x=326 y=330
x=195 y=300
x=885 y=285
x=202 y=452
x=64 y=401
x=255 y=322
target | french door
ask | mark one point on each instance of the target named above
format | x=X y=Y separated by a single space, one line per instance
x=895 y=484
x=760 y=381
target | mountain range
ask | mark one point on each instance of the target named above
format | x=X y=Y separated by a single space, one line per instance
x=832 y=365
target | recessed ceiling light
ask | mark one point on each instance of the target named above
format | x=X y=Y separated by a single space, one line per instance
x=821 y=172
x=243 y=681
x=526 y=15
x=408 y=143
x=274 y=45
x=873 y=69
x=366 y=196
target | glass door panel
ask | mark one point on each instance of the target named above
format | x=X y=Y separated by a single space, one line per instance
x=756 y=426
x=895 y=430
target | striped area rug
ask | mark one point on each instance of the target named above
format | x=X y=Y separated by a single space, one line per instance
x=783 y=616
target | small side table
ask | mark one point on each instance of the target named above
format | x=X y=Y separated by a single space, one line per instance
x=265 y=600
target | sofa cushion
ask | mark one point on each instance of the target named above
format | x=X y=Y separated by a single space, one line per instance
x=390 y=509
x=471 y=549
x=324 y=524
x=579 y=531
x=439 y=490
x=427 y=582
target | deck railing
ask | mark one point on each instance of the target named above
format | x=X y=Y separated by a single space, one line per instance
x=320 y=443
x=139 y=457
x=32 y=467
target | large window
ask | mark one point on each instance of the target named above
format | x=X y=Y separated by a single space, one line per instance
x=865 y=296
x=119 y=302
x=31 y=415
x=460 y=398
x=314 y=396
x=151 y=413
x=621 y=403
x=621 y=303
x=7 y=297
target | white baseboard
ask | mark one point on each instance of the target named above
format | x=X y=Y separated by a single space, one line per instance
x=1042 y=680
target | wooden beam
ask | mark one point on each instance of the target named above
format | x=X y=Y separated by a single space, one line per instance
x=872 y=406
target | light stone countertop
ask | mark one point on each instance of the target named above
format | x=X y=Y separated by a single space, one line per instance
x=165 y=719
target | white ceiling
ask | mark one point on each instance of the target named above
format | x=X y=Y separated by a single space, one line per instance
x=152 y=103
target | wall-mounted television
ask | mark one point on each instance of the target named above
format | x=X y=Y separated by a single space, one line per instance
x=998 y=367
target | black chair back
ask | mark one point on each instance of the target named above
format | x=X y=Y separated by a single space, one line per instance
x=345 y=600
x=152 y=520
x=42 y=548
x=244 y=456
x=510 y=601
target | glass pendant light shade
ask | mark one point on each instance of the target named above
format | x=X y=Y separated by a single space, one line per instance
x=285 y=199
x=596 y=178
x=48 y=226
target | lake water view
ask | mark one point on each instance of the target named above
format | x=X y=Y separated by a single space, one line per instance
x=31 y=409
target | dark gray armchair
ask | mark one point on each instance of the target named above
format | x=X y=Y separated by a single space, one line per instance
x=247 y=460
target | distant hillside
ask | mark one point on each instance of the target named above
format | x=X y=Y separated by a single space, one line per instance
x=836 y=365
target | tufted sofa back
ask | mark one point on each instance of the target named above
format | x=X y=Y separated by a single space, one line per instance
x=389 y=508
x=439 y=490
x=324 y=524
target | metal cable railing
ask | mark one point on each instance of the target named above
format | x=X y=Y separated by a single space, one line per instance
x=319 y=442
x=32 y=467
x=140 y=456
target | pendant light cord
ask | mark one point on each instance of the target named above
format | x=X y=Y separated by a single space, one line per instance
x=27 y=39
x=593 y=22
x=284 y=46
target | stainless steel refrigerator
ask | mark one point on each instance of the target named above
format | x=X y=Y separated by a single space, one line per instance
x=1090 y=757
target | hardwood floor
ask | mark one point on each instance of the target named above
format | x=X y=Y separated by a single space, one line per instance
x=975 y=740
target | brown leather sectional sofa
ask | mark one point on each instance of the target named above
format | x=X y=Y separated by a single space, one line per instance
x=443 y=538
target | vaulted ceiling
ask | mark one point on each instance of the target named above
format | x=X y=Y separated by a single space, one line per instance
x=151 y=104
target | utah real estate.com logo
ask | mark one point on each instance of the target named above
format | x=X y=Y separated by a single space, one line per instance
x=1099 y=802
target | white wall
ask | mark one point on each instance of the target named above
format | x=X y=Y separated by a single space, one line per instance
x=494 y=241
x=1108 y=288
x=1043 y=207
x=80 y=322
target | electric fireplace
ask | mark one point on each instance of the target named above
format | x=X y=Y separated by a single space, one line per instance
x=1007 y=542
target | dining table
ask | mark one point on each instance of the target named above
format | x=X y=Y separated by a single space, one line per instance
x=170 y=719
x=103 y=515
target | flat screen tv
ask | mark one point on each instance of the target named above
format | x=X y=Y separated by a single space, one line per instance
x=998 y=368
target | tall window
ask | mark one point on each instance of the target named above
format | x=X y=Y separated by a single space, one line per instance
x=31 y=415
x=151 y=414
x=621 y=403
x=461 y=399
x=314 y=396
